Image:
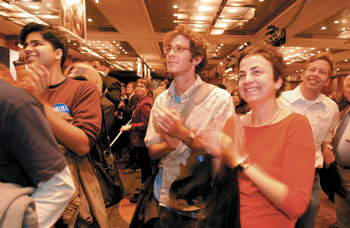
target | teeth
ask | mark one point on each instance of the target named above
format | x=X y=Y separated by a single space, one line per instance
x=251 y=89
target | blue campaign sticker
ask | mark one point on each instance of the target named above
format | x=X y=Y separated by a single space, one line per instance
x=60 y=107
x=200 y=158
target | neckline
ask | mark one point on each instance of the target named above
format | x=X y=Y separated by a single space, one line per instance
x=266 y=123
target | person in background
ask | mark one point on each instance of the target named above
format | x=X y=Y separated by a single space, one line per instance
x=73 y=111
x=322 y=112
x=138 y=127
x=29 y=155
x=274 y=148
x=111 y=86
x=241 y=107
x=163 y=85
x=341 y=144
x=128 y=109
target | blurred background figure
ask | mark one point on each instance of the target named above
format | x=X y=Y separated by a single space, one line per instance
x=241 y=107
x=138 y=127
x=163 y=85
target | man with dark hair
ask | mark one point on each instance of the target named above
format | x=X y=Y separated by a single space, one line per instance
x=72 y=107
x=322 y=113
x=111 y=85
x=173 y=140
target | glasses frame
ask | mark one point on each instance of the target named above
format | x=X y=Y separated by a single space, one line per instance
x=166 y=52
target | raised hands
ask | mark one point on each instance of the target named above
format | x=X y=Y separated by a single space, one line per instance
x=33 y=78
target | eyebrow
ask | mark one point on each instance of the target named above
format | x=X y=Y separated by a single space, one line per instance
x=32 y=41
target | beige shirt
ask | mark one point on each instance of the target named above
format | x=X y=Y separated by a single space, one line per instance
x=212 y=114
x=321 y=112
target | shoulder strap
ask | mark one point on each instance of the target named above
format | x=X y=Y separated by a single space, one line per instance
x=197 y=96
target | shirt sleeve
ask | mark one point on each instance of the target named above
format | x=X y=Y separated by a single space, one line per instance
x=32 y=144
x=334 y=120
x=298 y=167
x=52 y=197
x=87 y=113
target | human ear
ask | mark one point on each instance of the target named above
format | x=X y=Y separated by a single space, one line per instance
x=59 y=53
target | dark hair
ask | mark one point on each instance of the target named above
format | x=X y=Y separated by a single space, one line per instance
x=322 y=56
x=222 y=86
x=51 y=34
x=272 y=55
x=198 y=46
x=148 y=85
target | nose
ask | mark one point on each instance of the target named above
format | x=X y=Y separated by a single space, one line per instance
x=248 y=77
x=28 y=49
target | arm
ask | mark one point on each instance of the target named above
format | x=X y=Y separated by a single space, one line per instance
x=144 y=113
x=327 y=149
x=52 y=197
x=71 y=136
x=113 y=90
x=292 y=193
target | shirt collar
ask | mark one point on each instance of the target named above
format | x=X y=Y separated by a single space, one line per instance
x=185 y=95
x=299 y=96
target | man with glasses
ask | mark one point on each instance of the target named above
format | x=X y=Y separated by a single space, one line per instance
x=322 y=113
x=171 y=139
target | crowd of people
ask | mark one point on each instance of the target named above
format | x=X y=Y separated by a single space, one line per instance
x=208 y=158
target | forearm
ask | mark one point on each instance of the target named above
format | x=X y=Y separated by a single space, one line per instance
x=52 y=197
x=71 y=136
x=159 y=150
x=273 y=190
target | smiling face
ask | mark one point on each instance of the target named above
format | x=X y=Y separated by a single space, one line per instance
x=40 y=51
x=256 y=79
x=180 y=63
x=316 y=76
x=141 y=90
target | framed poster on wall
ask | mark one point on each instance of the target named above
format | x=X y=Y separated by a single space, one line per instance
x=73 y=17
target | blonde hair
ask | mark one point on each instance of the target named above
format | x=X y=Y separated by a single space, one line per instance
x=89 y=73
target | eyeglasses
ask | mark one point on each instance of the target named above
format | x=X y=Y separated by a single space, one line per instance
x=177 y=49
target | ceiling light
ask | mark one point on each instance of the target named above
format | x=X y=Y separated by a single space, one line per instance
x=220 y=25
x=233 y=10
x=97 y=1
x=34 y=7
x=221 y=44
x=175 y=6
x=336 y=22
x=323 y=28
x=89 y=20
x=327 y=49
x=217 y=31
x=205 y=8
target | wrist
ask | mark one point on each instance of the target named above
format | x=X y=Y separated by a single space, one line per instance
x=189 y=138
x=245 y=162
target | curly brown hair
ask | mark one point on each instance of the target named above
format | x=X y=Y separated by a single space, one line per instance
x=198 y=45
x=272 y=55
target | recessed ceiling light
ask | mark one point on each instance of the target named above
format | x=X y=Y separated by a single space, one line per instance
x=175 y=6
x=204 y=8
x=327 y=49
x=34 y=7
x=261 y=0
x=323 y=27
x=97 y=1
x=221 y=44
x=233 y=10
x=336 y=22
x=89 y=20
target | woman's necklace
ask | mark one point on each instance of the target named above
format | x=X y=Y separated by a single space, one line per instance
x=268 y=122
